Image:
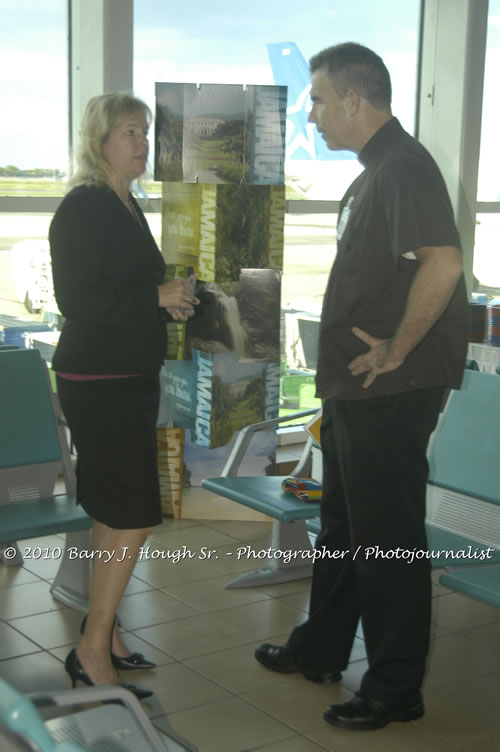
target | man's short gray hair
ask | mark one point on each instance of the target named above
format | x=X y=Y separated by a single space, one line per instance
x=352 y=66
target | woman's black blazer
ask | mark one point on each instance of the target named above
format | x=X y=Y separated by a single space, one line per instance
x=106 y=268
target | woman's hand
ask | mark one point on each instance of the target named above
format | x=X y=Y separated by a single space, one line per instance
x=179 y=314
x=177 y=297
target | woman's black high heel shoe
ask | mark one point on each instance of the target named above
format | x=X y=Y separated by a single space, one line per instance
x=77 y=673
x=132 y=662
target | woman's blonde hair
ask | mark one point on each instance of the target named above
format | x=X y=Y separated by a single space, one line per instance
x=100 y=117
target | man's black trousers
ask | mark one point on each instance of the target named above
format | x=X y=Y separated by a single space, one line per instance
x=373 y=564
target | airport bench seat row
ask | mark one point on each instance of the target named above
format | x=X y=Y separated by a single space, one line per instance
x=464 y=487
x=74 y=720
x=33 y=447
x=463 y=524
x=264 y=494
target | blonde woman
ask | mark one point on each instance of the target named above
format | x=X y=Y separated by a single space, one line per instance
x=108 y=282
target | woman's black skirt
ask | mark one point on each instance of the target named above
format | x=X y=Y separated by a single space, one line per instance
x=113 y=428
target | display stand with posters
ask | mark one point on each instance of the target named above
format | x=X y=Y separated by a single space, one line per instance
x=220 y=153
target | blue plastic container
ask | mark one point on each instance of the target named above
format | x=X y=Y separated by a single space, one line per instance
x=16 y=335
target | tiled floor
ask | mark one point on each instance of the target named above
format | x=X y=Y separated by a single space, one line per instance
x=202 y=636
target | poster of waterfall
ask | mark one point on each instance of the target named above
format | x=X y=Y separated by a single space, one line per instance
x=220 y=133
x=219 y=229
x=230 y=317
x=229 y=374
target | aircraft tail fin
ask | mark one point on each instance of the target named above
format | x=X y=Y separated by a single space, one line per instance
x=302 y=138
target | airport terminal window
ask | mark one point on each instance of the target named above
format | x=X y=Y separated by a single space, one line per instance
x=226 y=43
x=310 y=247
x=216 y=43
x=26 y=294
x=486 y=266
x=33 y=152
x=487 y=240
x=34 y=145
x=488 y=180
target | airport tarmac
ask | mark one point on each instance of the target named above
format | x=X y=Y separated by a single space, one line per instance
x=308 y=257
x=309 y=253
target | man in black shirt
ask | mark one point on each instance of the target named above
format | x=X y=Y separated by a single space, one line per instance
x=393 y=337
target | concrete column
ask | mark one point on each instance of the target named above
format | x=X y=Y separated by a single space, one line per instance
x=101 y=39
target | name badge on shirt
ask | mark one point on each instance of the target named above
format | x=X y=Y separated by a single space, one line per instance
x=344 y=219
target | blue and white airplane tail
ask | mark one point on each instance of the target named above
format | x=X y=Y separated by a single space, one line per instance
x=303 y=142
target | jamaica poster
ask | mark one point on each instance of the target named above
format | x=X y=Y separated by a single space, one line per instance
x=220 y=133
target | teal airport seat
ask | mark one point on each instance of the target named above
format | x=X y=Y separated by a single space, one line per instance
x=463 y=499
x=272 y=500
x=463 y=519
x=264 y=494
x=464 y=452
x=481 y=583
x=464 y=489
x=101 y=719
x=33 y=448
x=22 y=727
x=464 y=474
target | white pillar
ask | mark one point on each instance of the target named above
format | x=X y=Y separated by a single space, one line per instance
x=451 y=95
x=101 y=52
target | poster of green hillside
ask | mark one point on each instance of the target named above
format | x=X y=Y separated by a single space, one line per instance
x=220 y=229
x=220 y=133
x=231 y=395
x=215 y=394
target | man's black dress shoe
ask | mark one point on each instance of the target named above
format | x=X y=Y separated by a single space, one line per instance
x=78 y=673
x=363 y=714
x=132 y=662
x=279 y=658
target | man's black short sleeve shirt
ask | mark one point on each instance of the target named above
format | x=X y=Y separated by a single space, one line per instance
x=396 y=206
